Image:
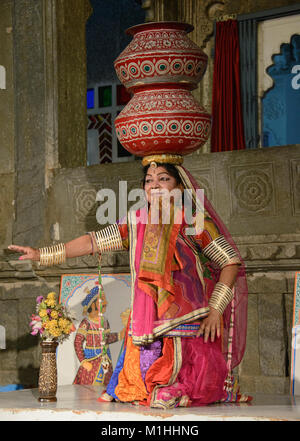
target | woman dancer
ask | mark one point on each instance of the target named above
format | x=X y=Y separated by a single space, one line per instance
x=187 y=325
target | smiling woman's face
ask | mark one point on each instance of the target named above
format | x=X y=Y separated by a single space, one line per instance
x=158 y=180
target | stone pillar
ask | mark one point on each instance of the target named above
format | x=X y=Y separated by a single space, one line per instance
x=29 y=71
x=2 y=337
x=7 y=160
x=71 y=20
x=50 y=103
x=42 y=129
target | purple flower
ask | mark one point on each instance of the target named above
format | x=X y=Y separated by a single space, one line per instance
x=39 y=299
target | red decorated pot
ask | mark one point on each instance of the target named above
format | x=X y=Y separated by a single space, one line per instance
x=161 y=53
x=162 y=120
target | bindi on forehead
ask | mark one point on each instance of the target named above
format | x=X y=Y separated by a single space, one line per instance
x=157 y=172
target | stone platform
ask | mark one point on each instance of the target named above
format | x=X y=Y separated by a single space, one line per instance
x=79 y=403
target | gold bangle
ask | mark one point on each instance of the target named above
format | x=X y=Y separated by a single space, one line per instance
x=109 y=239
x=221 y=296
x=53 y=255
x=221 y=252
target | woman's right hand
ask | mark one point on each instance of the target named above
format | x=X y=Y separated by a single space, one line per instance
x=28 y=253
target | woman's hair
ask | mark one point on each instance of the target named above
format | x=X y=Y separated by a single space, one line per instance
x=170 y=168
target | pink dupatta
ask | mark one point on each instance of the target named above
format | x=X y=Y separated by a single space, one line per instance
x=235 y=315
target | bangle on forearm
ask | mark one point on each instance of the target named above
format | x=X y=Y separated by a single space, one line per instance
x=53 y=255
x=221 y=297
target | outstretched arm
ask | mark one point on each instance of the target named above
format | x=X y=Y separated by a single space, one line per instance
x=80 y=246
x=111 y=238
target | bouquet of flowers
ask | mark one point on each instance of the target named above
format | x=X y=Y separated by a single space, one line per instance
x=51 y=321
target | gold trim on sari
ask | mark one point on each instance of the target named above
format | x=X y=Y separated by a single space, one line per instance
x=171 y=324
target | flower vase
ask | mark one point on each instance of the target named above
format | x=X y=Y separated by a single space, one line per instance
x=48 y=372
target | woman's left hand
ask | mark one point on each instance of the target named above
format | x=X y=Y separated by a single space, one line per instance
x=211 y=325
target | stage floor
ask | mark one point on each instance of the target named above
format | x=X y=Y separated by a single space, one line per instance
x=79 y=403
